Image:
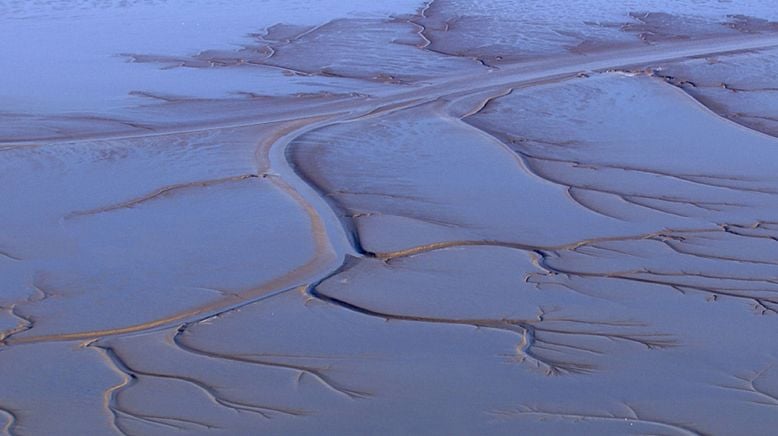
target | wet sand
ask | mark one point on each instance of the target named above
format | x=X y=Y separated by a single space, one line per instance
x=394 y=222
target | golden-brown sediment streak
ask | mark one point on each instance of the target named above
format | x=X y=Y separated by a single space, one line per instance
x=262 y=156
x=159 y=193
x=435 y=246
x=25 y=323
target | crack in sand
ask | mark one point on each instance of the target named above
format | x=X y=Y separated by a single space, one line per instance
x=318 y=374
x=211 y=392
x=129 y=378
x=630 y=417
x=763 y=303
x=748 y=384
x=11 y=422
x=705 y=180
x=7 y=255
x=531 y=332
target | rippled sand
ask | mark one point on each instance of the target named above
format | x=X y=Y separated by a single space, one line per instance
x=454 y=217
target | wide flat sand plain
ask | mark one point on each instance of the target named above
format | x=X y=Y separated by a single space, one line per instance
x=452 y=217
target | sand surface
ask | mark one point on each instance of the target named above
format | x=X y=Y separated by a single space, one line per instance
x=452 y=217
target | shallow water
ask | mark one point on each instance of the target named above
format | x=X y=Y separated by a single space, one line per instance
x=451 y=217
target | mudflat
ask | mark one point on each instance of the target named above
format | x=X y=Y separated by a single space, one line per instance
x=451 y=217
